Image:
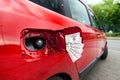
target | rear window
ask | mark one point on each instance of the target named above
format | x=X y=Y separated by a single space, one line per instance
x=55 y=5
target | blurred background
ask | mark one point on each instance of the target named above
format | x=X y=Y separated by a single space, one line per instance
x=108 y=13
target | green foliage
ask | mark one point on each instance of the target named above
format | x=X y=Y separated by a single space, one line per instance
x=108 y=13
x=113 y=34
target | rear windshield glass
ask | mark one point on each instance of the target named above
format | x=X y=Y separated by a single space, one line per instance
x=55 y=5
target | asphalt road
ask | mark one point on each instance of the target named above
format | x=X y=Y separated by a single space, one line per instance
x=108 y=69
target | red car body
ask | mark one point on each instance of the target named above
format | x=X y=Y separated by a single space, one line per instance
x=21 y=19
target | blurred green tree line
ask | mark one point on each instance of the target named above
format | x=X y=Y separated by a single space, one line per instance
x=108 y=13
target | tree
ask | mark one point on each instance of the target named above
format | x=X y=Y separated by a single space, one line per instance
x=108 y=13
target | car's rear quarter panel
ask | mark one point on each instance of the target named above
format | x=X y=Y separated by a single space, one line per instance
x=15 y=16
x=14 y=66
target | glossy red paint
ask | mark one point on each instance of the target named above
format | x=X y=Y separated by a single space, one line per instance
x=16 y=16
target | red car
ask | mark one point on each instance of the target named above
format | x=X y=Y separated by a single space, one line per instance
x=48 y=39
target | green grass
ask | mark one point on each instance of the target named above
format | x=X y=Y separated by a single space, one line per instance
x=113 y=34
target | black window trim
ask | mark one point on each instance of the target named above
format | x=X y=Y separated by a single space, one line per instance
x=87 y=12
x=99 y=25
x=91 y=24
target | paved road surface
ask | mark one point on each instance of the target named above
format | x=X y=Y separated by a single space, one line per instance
x=110 y=68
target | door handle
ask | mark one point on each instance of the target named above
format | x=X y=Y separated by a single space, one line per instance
x=98 y=35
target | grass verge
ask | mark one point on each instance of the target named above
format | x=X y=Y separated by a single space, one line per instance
x=113 y=35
